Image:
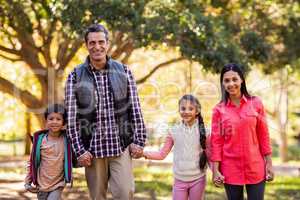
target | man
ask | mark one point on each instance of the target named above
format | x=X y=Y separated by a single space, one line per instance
x=105 y=123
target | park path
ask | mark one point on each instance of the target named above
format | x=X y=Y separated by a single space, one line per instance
x=12 y=185
x=11 y=182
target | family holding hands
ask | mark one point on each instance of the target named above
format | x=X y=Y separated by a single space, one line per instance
x=101 y=128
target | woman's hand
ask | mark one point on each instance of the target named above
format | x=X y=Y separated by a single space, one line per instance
x=218 y=178
x=269 y=172
x=269 y=168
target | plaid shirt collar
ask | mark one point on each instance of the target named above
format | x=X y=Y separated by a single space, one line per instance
x=88 y=64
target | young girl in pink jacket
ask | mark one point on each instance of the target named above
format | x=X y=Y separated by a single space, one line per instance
x=189 y=160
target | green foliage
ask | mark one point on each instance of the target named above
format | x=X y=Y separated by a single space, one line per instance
x=267 y=29
x=210 y=32
x=294 y=152
x=275 y=148
x=185 y=25
x=291 y=36
x=119 y=15
x=255 y=46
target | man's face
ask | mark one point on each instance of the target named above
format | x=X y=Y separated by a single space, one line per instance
x=97 y=46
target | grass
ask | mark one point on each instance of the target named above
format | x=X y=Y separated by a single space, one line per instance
x=160 y=181
x=156 y=183
x=277 y=161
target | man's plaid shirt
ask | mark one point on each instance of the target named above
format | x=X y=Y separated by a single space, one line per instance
x=105 y=142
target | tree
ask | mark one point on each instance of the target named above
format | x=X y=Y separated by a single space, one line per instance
x=277 y=23
x=29 y=29
x=285 y=54
x=47 y=34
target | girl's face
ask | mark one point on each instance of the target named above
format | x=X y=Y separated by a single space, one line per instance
x=54 y=122
x=188 y=111
x=232 y=83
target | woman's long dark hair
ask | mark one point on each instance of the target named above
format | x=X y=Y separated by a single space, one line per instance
x=238 y=69
x=202 y=132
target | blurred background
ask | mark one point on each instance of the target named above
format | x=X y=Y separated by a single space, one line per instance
x=172 y=47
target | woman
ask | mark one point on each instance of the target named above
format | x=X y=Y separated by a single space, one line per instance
x=240 y=143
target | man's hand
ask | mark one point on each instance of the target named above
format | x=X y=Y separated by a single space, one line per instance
x=135 y=151
x=85 y=159
x=30 y=188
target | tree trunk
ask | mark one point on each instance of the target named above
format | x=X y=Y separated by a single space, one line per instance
x=28 y=134
x=55 y=87
x=53 y=94
x=29 y=130
x=283 y=115
x=189 y=77
x=59 y=88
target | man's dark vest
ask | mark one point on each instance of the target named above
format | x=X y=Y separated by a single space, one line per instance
x=87 y=94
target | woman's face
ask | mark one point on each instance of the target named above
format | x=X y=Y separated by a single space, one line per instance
x=232 y=83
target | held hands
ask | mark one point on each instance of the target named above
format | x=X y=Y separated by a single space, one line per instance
x=218 y=178
x=135 y=151
x=85 y=159
x=30 y=188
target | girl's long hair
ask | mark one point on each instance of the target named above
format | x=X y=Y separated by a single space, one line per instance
x=202 y=131
x=238 y=69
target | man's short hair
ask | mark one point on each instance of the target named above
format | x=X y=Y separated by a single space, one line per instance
x=95 y=28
